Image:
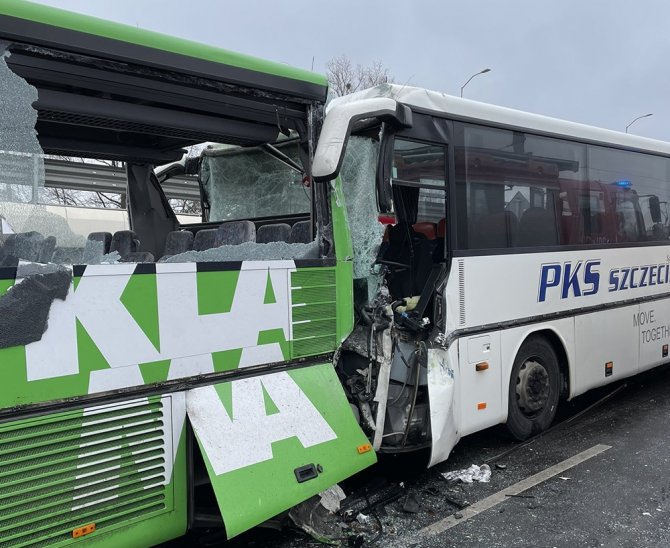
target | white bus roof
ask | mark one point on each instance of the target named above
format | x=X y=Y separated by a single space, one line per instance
x=475 y=111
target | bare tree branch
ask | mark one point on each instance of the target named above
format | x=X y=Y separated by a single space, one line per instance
x=344 y=78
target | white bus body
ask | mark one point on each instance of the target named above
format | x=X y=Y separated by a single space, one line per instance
x=557 y=242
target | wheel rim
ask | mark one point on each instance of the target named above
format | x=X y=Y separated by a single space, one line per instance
x=532 y=387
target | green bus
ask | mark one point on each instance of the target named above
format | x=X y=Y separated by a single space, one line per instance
x=151 y=374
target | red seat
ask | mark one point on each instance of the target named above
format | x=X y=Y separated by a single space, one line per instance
x=429 y=230
x=442 y=228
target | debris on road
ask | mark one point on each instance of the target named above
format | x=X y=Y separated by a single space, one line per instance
x=411 y=504
x=363 y=518
x=468 y=475
x=331 y=498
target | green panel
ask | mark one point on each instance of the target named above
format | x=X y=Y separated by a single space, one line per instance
x=5 y=285
x=140 y=297
x=252 y=494
x=92 y=25
x=344 y=252
x=216 y=291
x=89 y=356
x=155 y=372
x=269 y=291
x=226 y=360
x=270 y=406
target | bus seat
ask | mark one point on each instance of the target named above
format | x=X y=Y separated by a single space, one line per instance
x=496 y=230
x=7 y=257
x=300 y=233
x=28 y=245
x=442 y=228
x=47 y=249
x=97 y=244
x=235 y=233
x=178 y=241
x=9 y=243
x=67 y=255
x=138 y=257
x=124 y=242
x=537 y=227
x=429 y=230
x=414 y=250
x=280 y=232
x=204 y=239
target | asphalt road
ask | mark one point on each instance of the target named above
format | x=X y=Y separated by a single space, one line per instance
x=617 y=497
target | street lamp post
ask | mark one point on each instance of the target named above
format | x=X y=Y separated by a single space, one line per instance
x=471 y=77
x=636 y=119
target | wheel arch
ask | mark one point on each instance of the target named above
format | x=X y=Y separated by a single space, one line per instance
x=558 y=344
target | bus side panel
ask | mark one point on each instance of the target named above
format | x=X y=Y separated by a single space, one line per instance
x=270 y=442
x=653 y=323
x=480 y=400
x=601 y=338
x=443 y=397
x=113 y=475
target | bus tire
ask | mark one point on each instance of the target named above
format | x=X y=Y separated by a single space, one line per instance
x=534 y=389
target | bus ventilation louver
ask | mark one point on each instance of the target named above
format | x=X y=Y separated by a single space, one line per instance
x=314 y=312
x=102 y=466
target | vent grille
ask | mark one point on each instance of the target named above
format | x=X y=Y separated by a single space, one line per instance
x=105 y=466
x=314 y=311
x=461 y=292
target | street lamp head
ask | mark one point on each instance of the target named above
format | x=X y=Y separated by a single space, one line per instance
x=636 y=119
x=471 y=77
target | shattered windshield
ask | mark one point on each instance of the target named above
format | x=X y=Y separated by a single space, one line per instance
x=250 y=183
x=358 y=186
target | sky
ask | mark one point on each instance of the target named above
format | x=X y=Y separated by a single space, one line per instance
x=596 y=62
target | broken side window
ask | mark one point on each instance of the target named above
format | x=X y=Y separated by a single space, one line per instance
x=358 y=185
x=251 y=183
x=30 y=229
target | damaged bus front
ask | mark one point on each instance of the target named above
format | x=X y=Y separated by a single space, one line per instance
x=152 y=374
x=390 y=163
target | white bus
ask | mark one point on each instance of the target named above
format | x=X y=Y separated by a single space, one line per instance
x=539 y=248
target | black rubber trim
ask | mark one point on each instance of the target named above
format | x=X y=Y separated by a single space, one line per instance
x=553 y=248
x=78 y=270
x=7 y=273
x=167 y=387
x=218 y=266
x=488 y=123
x=468 y=331
x=314 y=263
x=145 y=268
x=40 y=34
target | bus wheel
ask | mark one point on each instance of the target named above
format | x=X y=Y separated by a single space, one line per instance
x=534 y=389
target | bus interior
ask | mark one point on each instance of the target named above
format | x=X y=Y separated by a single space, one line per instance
x=253 y=172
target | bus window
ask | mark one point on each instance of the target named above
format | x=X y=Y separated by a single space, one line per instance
x=243 y=183
x=638 y=184
x=514 y=188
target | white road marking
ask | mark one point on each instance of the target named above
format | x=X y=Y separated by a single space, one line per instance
x=517 y=488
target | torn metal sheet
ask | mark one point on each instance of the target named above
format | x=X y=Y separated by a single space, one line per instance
x=24 y=308
x=441 y=396
x=273 y=441
x=381 y=395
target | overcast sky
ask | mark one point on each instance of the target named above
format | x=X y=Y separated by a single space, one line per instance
x=597 y=62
